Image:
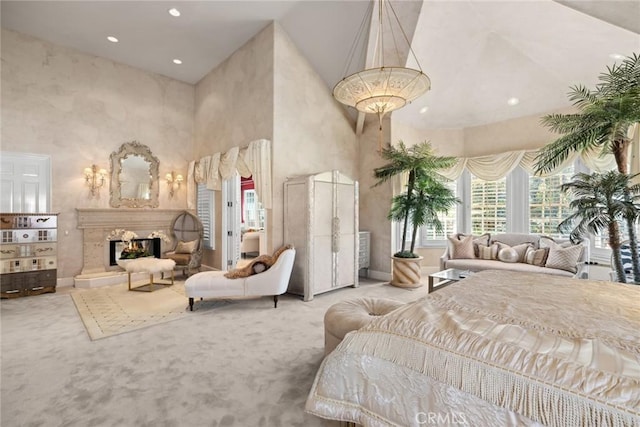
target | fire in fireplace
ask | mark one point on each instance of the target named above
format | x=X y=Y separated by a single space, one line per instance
x=140 y=248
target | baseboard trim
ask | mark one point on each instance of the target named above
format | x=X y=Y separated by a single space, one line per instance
x=378 y=275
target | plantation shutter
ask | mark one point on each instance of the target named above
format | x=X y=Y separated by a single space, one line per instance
x=205 y=205
x=488 y=206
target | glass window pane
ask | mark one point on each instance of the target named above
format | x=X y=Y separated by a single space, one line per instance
x=548 y=206
x=448 y=220
x=488 y=206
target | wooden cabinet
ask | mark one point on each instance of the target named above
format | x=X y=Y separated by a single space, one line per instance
x=28 y=253
x=321 y=221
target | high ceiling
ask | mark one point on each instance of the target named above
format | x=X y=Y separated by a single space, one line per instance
x=478 y=53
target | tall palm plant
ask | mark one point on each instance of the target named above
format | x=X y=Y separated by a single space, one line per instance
x=599 y=201
x=430 y=198
x=417 y=203
x=605 y=116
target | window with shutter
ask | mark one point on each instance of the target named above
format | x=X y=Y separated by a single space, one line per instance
x=488 y=206
x=204 y=207
x=548 y=206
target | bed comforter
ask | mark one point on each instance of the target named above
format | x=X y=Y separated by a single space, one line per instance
x=496 y=349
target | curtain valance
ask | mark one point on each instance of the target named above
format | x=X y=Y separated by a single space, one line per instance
x=496 y=166
x=251 y=161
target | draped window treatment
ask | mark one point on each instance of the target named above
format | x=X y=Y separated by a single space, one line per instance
x=496 y=166
x=253 y=160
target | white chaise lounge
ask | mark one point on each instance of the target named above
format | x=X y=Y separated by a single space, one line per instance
x=213 y=284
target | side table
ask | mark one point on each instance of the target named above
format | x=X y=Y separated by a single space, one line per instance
x=447 y=277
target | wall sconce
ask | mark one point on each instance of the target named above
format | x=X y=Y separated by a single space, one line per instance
x=173 y=181
x=94 y=178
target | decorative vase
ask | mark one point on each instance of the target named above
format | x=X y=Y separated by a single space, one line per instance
x=406 y=272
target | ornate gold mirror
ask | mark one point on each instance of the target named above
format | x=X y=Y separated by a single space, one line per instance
x=134 y=177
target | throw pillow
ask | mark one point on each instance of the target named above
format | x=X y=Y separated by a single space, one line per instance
x=488 y=252
x=257 y=265
x=186 y=247
x=520 y=249
x=461 y=249
x=508 y=254
x=478 y=242
x=536 y=256
x=248 y=270
x=564 y=258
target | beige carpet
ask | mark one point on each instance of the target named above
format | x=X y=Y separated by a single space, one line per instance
x=113 y=310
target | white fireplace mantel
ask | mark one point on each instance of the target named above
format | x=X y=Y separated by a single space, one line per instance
x=98 y=223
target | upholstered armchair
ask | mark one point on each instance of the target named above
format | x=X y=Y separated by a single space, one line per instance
x=187 y=232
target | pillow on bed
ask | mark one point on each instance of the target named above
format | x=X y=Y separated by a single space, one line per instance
x=520 y=251
x=461 y=249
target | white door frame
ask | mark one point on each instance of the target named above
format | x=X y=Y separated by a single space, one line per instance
x=230 y=224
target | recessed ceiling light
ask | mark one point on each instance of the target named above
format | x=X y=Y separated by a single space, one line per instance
x=424 y=110
x=616 y=56
x=112 y=39
x=513 y=101
x=177 y=61
x=174 y=12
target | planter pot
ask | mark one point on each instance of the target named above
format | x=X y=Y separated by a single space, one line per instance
x=406 y=272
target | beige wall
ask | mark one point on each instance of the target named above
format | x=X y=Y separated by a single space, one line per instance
x=524 y=133
x=234 y=106
x=267 y=89
x=311 y=131
x=375 y=201
x=79 y=108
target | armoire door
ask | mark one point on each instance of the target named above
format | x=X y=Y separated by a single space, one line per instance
x=345 y=210
x=323 y=275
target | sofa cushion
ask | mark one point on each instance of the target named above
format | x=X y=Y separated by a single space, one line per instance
x=536 y=256
x=520 y=250
x=508 y=254
x=482 y=264
x=488 y=252
x=478 y=241
x=564 y=258
x=180 y=259
x=461 y=249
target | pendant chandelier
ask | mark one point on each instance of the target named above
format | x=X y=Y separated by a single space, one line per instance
x=382 y=88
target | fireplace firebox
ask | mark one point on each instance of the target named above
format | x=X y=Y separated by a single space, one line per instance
x=138 y=248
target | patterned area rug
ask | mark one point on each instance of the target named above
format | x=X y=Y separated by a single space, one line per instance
x=113 y=310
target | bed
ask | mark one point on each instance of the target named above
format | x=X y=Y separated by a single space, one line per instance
x=495 y=349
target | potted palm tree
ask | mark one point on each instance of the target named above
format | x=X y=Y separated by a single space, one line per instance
x=605 y=118
x=425 y=197
x=599 y=202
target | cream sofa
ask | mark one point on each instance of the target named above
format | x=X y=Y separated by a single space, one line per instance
x=579 y=270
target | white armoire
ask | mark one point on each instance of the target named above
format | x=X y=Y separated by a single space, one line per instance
x=321 y=221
